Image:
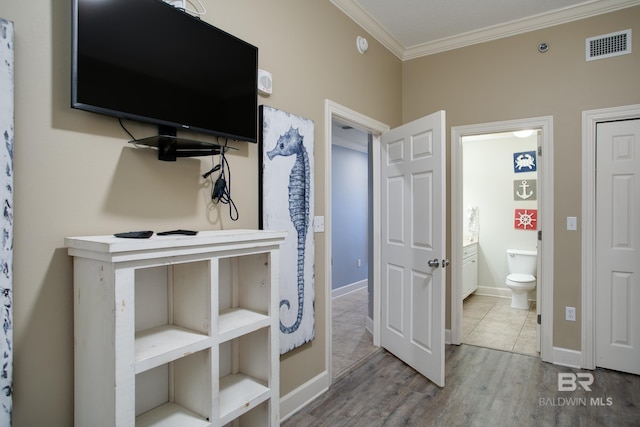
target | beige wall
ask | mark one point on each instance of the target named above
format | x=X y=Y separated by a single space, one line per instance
x=76 y=174
x=509 y=79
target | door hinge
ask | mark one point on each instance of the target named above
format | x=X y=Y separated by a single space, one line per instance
x=540 y=150
x=539 y=319
x=540 y=235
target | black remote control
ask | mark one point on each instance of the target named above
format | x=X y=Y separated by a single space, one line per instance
x=183 y=232
x=135 y=234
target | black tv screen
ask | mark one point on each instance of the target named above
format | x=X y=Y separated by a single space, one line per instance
x=148 y=61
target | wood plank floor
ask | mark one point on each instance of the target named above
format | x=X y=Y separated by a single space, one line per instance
x=484 y=387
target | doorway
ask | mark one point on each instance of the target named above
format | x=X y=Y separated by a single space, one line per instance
x=424 y=139
x=352 y=339
x=348 y=117
x=544 y=291
x=500 y=224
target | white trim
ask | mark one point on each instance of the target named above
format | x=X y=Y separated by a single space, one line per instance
x=492 y=291
x=369 y=325
x=347 y=289
x=353 y=10
x=303 y=395
x=545 y=124
x=566 y=357
x=360 y=121
x=590 y=119
x=519 y=26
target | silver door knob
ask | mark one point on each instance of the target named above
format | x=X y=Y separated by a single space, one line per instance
x=435 y=263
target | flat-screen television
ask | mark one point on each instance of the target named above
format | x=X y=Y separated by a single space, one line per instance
x=151 y=62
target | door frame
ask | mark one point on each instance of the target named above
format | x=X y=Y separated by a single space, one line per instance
x=351 y=117
x=545 y=207
x=590 y=120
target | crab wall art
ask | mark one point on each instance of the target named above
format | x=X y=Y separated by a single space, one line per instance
x=524 y=161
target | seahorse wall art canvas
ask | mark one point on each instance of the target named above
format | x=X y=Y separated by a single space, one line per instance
x=6 y=248
x=286 y=146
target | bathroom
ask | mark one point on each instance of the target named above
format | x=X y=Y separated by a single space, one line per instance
x=500 y=197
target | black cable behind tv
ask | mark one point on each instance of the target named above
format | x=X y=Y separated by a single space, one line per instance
x=170 y=147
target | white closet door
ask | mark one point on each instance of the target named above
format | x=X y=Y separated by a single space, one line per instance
x=617 y=293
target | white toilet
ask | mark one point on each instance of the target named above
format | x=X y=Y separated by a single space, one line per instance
x=522 y=266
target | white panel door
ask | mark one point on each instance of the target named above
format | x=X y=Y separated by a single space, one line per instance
x=617 y=293
x=412 y=237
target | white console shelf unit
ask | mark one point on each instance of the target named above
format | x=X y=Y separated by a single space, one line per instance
x=177 y=330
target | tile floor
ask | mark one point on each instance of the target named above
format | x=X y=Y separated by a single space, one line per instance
x=352 y=343
x=491 y=322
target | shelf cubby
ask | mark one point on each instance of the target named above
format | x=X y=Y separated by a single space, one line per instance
x=178 y=390
x=172 y=312
x=244 y=369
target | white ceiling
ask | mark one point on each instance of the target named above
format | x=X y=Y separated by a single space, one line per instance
x=349 y=137
x=415 y=28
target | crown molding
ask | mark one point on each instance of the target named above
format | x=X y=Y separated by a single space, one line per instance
x=361 y=17
x=544 y=20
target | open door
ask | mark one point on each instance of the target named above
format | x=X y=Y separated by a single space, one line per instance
x=413 y=230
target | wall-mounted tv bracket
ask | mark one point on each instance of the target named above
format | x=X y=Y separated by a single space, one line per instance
x=170 y=147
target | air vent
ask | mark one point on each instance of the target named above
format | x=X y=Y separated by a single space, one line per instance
x=608 y=45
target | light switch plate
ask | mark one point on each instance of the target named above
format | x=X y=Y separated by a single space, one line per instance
x=318 y=224
x=572 y=223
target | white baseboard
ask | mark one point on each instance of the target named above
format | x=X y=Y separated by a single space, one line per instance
x=303 y=395
x=369 y=325
x=492 y=291
x=567 y=357
x=447 y=336
x=347 y=289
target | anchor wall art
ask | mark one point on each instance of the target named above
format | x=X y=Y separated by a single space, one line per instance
x=286 y=145
x=525 y=189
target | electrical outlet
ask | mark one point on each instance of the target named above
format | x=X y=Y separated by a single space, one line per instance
x=570 y=313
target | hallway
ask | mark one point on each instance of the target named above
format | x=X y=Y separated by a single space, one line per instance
x=352 y=343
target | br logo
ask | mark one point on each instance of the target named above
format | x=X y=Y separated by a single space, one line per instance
x=568 y=381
